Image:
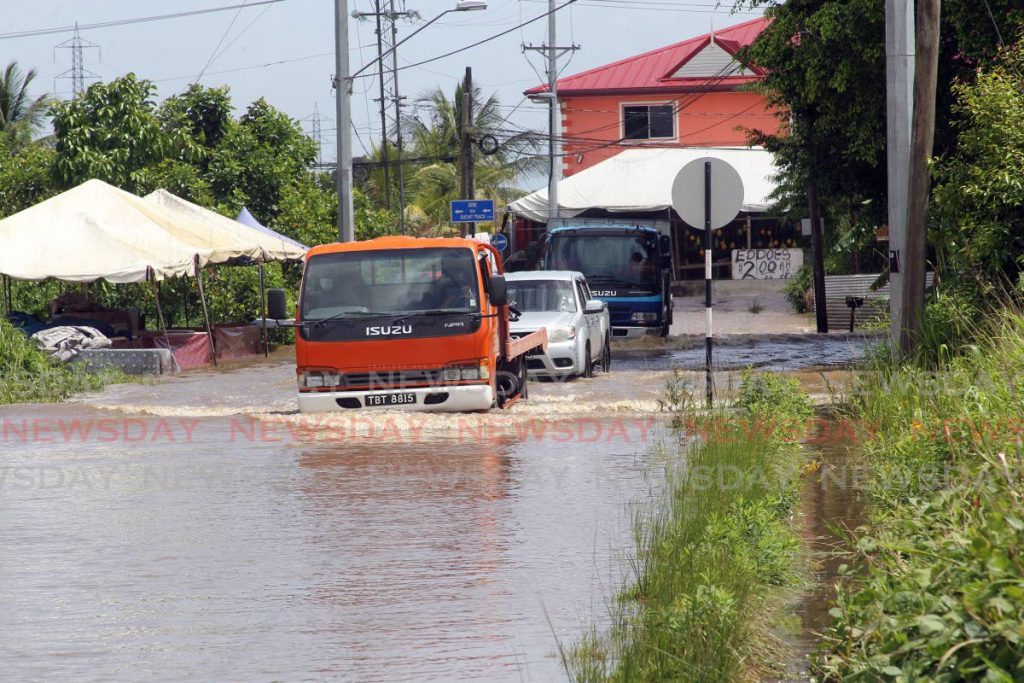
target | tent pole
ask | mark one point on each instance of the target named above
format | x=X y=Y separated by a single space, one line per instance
x=263 y=310
x=206 y=311
x=159 y=311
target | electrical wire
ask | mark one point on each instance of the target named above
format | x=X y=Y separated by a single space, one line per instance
x=213 y=55
x=137 y=20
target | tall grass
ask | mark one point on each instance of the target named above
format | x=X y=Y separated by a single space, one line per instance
x=937 y=586
x=27 y=375
x=709 y=554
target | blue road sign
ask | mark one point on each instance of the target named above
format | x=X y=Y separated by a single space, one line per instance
x=472 y=210
x=499 y=242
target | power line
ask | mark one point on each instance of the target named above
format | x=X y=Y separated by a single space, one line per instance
x=213 y=55
x=136 y=20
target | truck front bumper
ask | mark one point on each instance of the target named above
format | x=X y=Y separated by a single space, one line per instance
x=441 y=399
x=632 y=332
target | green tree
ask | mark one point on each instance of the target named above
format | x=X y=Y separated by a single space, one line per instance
x=435 y=136
x=111 y=132
x=979 y=231
x=825 y=71
x=21 y=115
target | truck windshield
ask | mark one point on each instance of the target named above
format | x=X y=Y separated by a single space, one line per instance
x=541 y=296
x=389 y=283
x=626 y=259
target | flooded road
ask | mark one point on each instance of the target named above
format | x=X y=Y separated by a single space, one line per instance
x=197 y=528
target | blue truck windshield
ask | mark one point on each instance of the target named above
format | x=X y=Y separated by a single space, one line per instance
x=629 y=260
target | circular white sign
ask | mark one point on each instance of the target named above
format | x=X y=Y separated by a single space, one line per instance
x=726 y=193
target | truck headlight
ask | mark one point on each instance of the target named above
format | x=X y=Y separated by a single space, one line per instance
x=561 y=334
x=452 y=375
x=644 y=317
x=315 y=379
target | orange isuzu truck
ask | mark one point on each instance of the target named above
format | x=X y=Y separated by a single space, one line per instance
x=409 y=323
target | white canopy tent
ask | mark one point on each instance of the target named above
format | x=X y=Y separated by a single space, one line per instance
x=96 y=231
x=226 y=238
x=640 y=180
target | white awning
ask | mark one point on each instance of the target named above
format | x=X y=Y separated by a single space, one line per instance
x=226 y=239
x=640 y=180
x=95 y=231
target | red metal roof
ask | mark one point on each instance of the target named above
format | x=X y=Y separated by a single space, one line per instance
x=652 y=71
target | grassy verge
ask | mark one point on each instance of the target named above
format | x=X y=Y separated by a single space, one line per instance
x=712 y=554
x=27 y=375
x=936 y=592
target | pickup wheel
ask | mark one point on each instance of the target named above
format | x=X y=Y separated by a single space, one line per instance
x=606 y=355
x=588 y=363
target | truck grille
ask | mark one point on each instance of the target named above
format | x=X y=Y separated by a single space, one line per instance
x=391 y=379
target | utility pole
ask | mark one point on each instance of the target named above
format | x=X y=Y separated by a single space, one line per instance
x=343 y=103
x=77 y=73
x=399 y=149
x=922 y=142
x=554 y=124
x=553 y=52
x=468 y=180
x=899 y=72
x=817 y=251
x=384 y=152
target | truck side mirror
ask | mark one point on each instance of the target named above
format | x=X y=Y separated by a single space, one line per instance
x=277 y=304
x=497 y=290
x=665 y=244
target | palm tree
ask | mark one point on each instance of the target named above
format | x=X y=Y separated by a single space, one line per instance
x=436 y=136
x=20 y=115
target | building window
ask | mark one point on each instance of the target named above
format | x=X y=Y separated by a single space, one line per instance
x=648 y=122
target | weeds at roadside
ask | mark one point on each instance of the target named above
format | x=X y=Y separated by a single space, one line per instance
x=27 y=375
x=712 y=554
x=755 y=307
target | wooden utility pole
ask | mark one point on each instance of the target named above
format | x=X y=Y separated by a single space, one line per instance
x=922 y=142
x=817 y=254
x=468 y=185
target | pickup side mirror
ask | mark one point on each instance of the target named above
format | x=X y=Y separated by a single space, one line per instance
x=277 y=304
x=595 y=306
x=497 y=290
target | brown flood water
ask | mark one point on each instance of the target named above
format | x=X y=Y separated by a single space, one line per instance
x=198 y=529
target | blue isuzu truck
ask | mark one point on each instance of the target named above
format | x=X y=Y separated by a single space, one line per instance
x=627 y=266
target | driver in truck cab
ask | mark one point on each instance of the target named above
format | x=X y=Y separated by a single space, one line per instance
x=454 y=289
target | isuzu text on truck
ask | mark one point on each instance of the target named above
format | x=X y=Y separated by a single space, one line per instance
x=403 y=322
x=629 y=267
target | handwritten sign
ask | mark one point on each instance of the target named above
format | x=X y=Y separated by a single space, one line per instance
x=766 y=264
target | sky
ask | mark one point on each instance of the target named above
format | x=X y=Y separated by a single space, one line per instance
x=240 y=47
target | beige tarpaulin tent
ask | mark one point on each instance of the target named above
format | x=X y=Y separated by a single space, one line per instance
x=226 y=239
x=96 y=231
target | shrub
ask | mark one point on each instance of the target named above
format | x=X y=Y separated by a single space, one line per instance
x=797 y=287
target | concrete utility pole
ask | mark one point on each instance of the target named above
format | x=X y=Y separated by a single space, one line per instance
x=468 y=184
x=343 y=102
x=384 y=152
x=554 y=123
x=922 y=142
x=399 y=144
x=899 y=76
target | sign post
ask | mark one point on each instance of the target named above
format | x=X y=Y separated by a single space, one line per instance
x=708 y=194
x=472 y=210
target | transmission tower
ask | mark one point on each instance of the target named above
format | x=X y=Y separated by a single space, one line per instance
x=77 y=73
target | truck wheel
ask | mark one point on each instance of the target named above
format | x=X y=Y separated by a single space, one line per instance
x=606 y=355
x=588 y=363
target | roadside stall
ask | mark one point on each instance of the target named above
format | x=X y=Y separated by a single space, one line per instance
x=98 y=232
